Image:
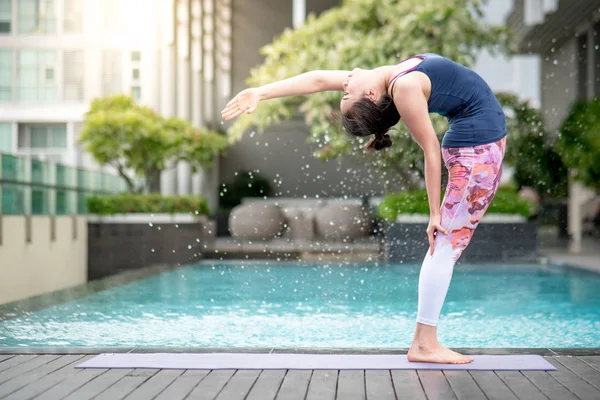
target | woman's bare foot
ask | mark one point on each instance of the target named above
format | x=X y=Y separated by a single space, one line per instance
x=436 y=354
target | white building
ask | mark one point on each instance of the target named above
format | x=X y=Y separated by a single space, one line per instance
x=56 y=56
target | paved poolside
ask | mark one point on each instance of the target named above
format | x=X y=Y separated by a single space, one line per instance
x=54 y=376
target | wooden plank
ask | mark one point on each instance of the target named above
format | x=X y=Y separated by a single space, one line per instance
x=322 y=385
x=35 y=374
x=25 y=367
x=548 y=385
x=96 y=386
x=156 y=384
x=408 y=384
x=492 y=385
x=122 y=387
x=463 y=385
x=239 y=385
x=379 y=385
x=183 y=385
x=520 y=385
x=212 y=384
x=14 y=361
x=267 y=385
x=5 y=357
x=147 y=372
x=571 y=381
x=435 y=385
x=48 y=381
x=294 y=385
x=581 y=369
x=594 y=361
x=70 y=384
x=351 y=385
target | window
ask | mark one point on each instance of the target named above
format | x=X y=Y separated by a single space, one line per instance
x=5 y=16
x=49 y=74
x=582 y=66
x=5 y=138
x=6 y=63
x=596 y=55
x=42 y=136
x=36 y=78
x=36 y=16
x=136 y=92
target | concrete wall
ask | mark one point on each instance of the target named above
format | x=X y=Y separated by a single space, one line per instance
x=283 y=156
x=41 y=266
x=282 y=153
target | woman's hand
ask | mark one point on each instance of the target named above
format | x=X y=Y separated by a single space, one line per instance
x=432 y=229
x=245 y=102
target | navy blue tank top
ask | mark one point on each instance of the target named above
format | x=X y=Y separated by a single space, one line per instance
x=465 y=99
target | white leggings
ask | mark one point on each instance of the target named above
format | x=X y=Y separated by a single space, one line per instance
x=474 y=176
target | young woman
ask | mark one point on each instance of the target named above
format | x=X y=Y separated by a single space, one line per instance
x=472 y=149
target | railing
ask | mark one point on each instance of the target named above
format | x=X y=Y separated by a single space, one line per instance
x=32 y=187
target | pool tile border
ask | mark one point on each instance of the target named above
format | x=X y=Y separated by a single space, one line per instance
x=589 y=351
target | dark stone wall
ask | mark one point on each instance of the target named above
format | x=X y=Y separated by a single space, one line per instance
x=491 y=242
x=114 y=247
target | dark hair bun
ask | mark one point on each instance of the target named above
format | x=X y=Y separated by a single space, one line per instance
x=382 y=141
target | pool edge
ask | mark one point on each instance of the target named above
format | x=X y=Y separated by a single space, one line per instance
x=589 y=351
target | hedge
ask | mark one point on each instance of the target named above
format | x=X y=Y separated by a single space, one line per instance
x=506 y=201
x=146 y=203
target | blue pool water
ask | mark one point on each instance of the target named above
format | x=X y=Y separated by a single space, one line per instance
x=291 y=305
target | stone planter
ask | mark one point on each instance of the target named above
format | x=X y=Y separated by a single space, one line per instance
x=498 y=238
x=118 y=243
x=341 y=221
x=256 y=221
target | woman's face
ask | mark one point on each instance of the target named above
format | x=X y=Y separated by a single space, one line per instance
x=356 y=87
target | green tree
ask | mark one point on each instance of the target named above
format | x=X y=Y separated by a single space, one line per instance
x=137 y=141
x=531 y=150
x=367 y=34
x=579 y=142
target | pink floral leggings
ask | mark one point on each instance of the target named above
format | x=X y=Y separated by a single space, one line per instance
x=474 y=177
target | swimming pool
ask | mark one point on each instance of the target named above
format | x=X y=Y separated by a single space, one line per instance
x=309 y=305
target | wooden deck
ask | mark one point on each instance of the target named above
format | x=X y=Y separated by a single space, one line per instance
x=55 y=377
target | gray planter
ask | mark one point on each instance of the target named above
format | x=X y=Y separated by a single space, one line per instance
x=496 y=239
x=256 y=221
x=343 y=221
x=132 y=241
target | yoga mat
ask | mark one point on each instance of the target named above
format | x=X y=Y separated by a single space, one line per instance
x=306 y=361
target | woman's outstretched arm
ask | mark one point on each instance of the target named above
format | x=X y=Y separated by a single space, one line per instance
x=307 y=83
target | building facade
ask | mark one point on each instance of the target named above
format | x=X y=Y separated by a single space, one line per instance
x=56 y=56
x=565 y=35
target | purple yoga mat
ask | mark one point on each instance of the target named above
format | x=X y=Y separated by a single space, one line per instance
x=306 y=361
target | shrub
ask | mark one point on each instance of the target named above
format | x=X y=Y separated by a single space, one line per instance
x=245 y=184
x=506 y=201
x=146 y=203
x=579 y=142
